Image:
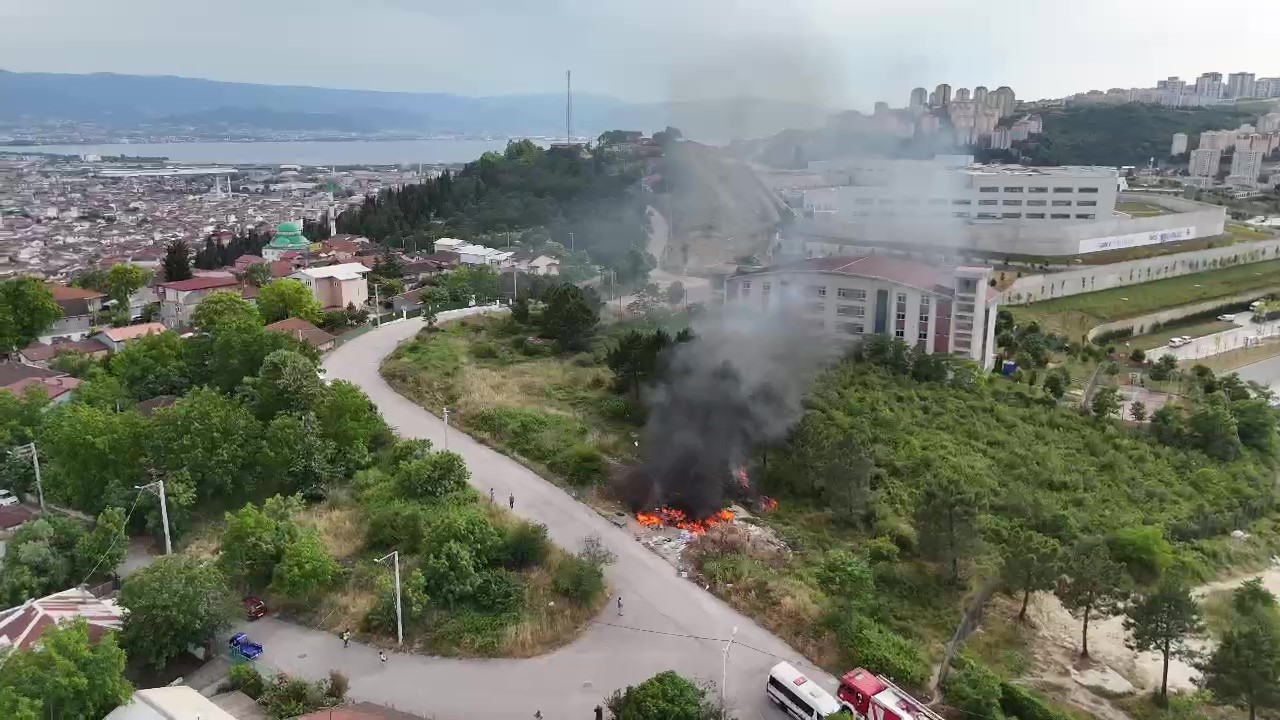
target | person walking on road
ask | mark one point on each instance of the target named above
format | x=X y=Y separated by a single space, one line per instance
x=382 y=657
x=490 y=494
x=619 y=606
x=346 y=638
x=511 y=501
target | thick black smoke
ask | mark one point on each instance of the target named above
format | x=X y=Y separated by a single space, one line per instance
x=738 y=385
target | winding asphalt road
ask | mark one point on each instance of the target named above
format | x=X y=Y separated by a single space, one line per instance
x=669 y=623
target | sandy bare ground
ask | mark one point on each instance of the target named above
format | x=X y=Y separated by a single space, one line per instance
x=1084 y=682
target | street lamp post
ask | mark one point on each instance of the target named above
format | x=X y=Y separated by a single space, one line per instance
x=724 y=668
x=158 y=488
x=35 y=463
x=395 y=561
x=446 y=428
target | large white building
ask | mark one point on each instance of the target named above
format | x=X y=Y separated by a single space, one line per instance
x=938 y=310
x=1179 y=145
x=1246 y=166
x=1016 y=194
x=1240 y=85
x=949 y=207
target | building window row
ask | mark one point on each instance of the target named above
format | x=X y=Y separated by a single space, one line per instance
x=1087 y=190
x=1064 y=189
x=988 y=202
x=1037 y=203
x=1087 y=203
x=989 y=189
x=1015 y=189
x=1037 y=189
x=851 y=310
x=1013 y=202
x=851 y=293
x=851 y=328
x=1060 y=216
x=819 y=290
x=1062 y=203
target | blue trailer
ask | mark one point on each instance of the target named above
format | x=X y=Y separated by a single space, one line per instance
x=244 y=648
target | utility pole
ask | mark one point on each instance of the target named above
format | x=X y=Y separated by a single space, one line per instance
x=35 y=463
x=395 y=560
x=158 y=489
x=377 y=306
x=446 y=428
x=724 y=668
x=568 y=107
x=571 y=246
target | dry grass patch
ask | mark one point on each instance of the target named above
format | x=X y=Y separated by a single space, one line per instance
x=339 y=527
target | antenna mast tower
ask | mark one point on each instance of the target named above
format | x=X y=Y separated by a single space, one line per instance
x=568 y=106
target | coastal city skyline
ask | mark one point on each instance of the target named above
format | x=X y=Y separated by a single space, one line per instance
x=846 y=57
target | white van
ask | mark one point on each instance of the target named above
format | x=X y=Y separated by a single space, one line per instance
x=799 y=696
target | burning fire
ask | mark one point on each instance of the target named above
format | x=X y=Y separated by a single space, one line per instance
x=671 y=517
x=741 y=474
x=767 y=503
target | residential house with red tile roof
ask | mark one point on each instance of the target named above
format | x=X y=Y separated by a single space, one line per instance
x=303 y=331
x=117 y=338
x=179 y=299
x=42 y=353
x=79 y=308
x=21 y=627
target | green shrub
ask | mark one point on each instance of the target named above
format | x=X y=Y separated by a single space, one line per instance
x=397 y=524
x=1143 y=551
x=484 y=349
x=867 y=643
x=500 y=592
x=881 y=550
x=468 y=631
x=536 y=435
x=579 y=580
x=613 y=407
x=526 y=546
x=291 y=697
x=974 y=690
x=582 y=465
x=246 y=678
x=1019 y=702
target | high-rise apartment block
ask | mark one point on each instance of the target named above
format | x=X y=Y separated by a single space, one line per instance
x=1205 y=162
x=1216 y=139
x=1209 y=85
x=942 y=94
x=962 y=95
x=1179 y=144
x=980 y=94
x=1266 y=87
x=1246 y=166
x=919 y=96
x=1003 y=100
x=1269 y=123
x=1240 y=85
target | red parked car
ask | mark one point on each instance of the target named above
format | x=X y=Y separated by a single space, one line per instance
x=254 y=608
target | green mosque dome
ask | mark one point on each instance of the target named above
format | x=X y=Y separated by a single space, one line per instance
x=289 y=237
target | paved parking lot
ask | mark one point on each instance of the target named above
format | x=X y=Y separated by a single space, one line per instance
x=1245 y=333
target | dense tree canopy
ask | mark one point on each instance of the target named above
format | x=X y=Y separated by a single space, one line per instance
x=289 y=298
x=65 y=676
x=27 y=308
x=586 y=198
x=173 y=604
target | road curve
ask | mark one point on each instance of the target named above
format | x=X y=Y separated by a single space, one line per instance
x=669 y=623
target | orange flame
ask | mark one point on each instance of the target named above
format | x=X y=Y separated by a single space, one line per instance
x=741 y=474
x=671 y=517
x=767 y=503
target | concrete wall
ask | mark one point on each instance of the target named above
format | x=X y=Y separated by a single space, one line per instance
x=1132 y=272
x=1143 y=323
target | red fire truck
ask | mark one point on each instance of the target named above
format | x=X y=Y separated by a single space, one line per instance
x=875 y=697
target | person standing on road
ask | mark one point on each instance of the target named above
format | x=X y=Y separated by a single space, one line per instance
x=511 y=501
x=490 y=494
x=346 y=638
x=382 y=657
x=619 y=606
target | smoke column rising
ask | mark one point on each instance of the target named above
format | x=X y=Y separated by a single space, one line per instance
x=739 y=384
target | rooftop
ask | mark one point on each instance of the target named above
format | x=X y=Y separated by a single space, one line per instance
x=1059 y=171
x=177 y=702
x=902 y=272
x=133 y=332
x=24 y=625
x=302 y=330
x=343 y=271
x=200 y=283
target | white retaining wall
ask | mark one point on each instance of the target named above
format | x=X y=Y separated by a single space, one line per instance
x=1093 y=278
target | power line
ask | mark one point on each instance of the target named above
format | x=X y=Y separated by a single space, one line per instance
x=124 y=532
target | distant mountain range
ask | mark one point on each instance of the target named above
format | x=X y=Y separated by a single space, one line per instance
x=132 y=101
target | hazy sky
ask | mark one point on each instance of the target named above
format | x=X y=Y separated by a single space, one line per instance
x=843 y=53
